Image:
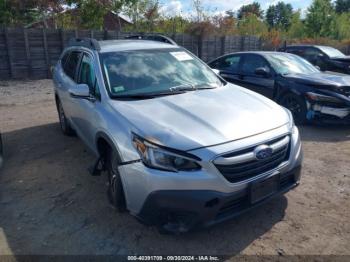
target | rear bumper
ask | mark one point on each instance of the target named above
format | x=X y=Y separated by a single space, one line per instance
x=183 y=210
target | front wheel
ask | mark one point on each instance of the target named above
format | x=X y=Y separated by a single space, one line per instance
x=115 y=186
x=297 y=105
x=64 y=124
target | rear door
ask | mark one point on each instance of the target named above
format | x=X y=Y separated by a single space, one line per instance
x=229 y=67
x=261 y=84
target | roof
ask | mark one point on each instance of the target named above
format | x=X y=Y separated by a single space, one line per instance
x=119 y=45
x=306 y=45
x=253 y=52
x=257 y=52
x=127 y=45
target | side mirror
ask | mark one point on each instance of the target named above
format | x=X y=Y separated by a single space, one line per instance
x=80 y=91
x=216 y=71
x=262 y=71
x=319 y=68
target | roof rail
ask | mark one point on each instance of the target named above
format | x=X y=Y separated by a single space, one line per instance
x=90 y=43
x=152 y=37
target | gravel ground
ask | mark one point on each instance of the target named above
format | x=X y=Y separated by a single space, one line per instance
x=51 y=205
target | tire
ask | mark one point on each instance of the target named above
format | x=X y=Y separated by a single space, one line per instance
x=297 y=105
x=115 y=187
x=66 y=129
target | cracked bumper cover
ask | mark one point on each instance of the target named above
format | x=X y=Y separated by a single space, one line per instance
x=329 y=114
x=203 y=208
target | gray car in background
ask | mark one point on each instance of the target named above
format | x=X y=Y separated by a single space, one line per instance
x=182 y=147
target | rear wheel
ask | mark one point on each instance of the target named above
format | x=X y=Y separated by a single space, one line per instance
x=64 y=124
x=115 y=186
x=297 y=105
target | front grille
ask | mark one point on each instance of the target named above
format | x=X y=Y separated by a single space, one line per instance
x=245 y=169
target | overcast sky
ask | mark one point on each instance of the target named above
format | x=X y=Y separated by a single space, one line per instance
x=171 y=7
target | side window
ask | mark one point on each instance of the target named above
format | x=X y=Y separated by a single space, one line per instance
x=70 y=66
x=312 y=54
x=230 y=63
x=65 y=58
x=253 y=62
x=299 y=52
x=87 y=75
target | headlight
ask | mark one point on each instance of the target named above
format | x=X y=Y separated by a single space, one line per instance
x=154 y=156
x=323 y=98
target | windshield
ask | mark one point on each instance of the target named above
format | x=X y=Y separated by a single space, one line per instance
x=331 y=52
x=290 y=64
x=130 y=73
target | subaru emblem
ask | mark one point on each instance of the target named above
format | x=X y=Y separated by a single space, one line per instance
x=262 y=152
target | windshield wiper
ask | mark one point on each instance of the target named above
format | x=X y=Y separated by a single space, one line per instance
x=191 y=87
x=184 y=87
x=204 y=86
x=149 y=95
x=180 y=89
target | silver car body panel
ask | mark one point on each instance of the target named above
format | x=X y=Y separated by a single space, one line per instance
x=196 y=119
x=138 y=178
x=206 y=123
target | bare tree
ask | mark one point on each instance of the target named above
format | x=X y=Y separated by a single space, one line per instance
x=199 y=10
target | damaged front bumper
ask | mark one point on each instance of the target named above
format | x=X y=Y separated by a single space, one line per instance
x=179 y=211
x=328 y=113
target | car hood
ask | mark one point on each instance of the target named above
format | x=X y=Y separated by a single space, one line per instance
x=202 y=118
x=320 y=79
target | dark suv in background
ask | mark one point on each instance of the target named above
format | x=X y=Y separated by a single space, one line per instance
x=291 y=81
x=325 y=57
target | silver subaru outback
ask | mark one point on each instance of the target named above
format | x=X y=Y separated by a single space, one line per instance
x=181 y=147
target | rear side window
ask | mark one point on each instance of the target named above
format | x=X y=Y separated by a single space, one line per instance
x=299 y=52
x=312 y=53
x=230 y=63
x=70 y=67
x=64 y=59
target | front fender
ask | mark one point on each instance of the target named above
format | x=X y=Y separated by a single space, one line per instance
x=113 y=144
x=284 y=88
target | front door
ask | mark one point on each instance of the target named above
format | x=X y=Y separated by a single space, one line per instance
x=262 y=84
x=85 y=113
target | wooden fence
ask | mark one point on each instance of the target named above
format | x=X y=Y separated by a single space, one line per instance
x=30 y=53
